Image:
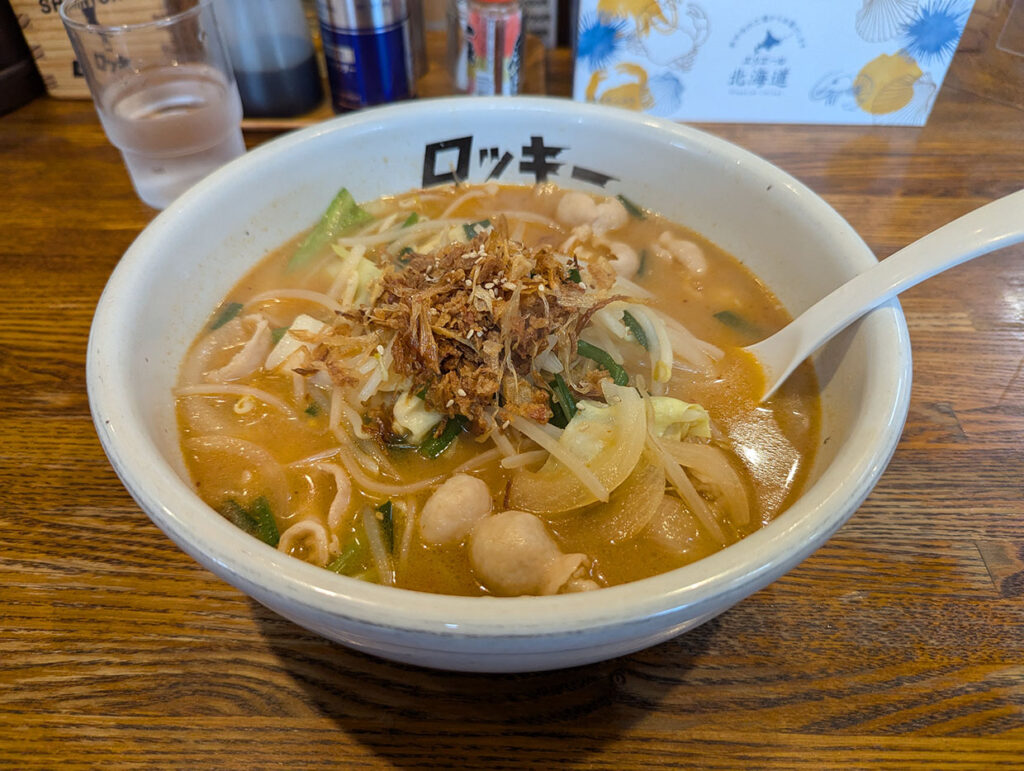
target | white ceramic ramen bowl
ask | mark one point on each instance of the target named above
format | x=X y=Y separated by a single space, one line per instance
x=183 y=264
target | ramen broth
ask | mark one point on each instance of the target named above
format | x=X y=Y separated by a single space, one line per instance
x=261 y=442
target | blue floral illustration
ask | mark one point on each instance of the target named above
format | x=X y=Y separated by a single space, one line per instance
x=933 y=34
x=600 y=38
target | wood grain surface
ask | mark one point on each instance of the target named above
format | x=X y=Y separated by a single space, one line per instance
x=898 y=644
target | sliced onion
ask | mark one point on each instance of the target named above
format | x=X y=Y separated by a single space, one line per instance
x=687 y=491
x=558 y=485
x=711 y=465
x=634 y=503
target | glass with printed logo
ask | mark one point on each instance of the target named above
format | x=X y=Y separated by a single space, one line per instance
x=163 y=88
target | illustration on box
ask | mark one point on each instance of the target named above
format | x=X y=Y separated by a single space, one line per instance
x=856 y=61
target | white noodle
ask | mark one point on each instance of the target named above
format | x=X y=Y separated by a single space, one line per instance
x=454 y=205
x=314 y=458
x=306 y=295
x=524 y=459
x=502 y=443
x=370 y=386
x=226 y=389
x=309 y=533
x=478 y=460
x=338 y=510
x=408 y=528
x=299 y=392
x=347 y=280
x=386 y=223
x=577 y=467
x=381 y=558
x=334 y=419
x=381 y=488
x=408 y=234
x=531 y=217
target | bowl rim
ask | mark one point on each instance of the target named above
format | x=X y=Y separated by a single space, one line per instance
x=244 y=561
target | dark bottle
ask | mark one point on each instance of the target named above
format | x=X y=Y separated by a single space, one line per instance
x=272 y=56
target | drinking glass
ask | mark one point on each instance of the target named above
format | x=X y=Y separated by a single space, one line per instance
x=163 y=88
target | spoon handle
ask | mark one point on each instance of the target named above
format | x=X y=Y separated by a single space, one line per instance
x=993 y=226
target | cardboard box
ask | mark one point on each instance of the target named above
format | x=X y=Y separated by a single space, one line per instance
x=769 y=61
x=45 y=35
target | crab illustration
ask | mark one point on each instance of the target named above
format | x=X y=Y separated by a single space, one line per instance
x=633 y=95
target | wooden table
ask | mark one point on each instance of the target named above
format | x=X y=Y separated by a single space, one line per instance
x=899 y=643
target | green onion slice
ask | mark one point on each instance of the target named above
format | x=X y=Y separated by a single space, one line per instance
x=471 y=228
x=562 y=404
x=229 y=312
x=349 y=559
x=642 y=267
x=342 y=214
x=387 y=524
x=257 y=520
x=435 y=445
x=634 y=211
x=638 y=331
x=604 y=360
x=260 y=511
x=739 y=323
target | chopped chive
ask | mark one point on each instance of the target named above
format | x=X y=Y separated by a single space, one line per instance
x=638 y=331
x=412 y=219
x=642 y=268
x=257 y=520
x=236 y=514
x=471 y=228
x=260 y=511
x=342 y=213
x=740 y=324
x=634 y=210
x=422 y=393
x=229 y=312
x=574 y=275
x=403 y=256
x=349 y=559
x=312 y=410
x=604 y=360
x=387 y=524
x=435 y=445
x=277 y=333
x=562 y=404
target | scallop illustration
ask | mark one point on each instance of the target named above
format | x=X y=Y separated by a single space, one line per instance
x=667 y=92
x=915 y=113
x=879 y=20
x=886 y=84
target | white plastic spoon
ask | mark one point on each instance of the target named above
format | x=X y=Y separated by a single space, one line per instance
x=993 y=226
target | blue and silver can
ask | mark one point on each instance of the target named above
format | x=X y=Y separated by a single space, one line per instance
x=367 y=47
